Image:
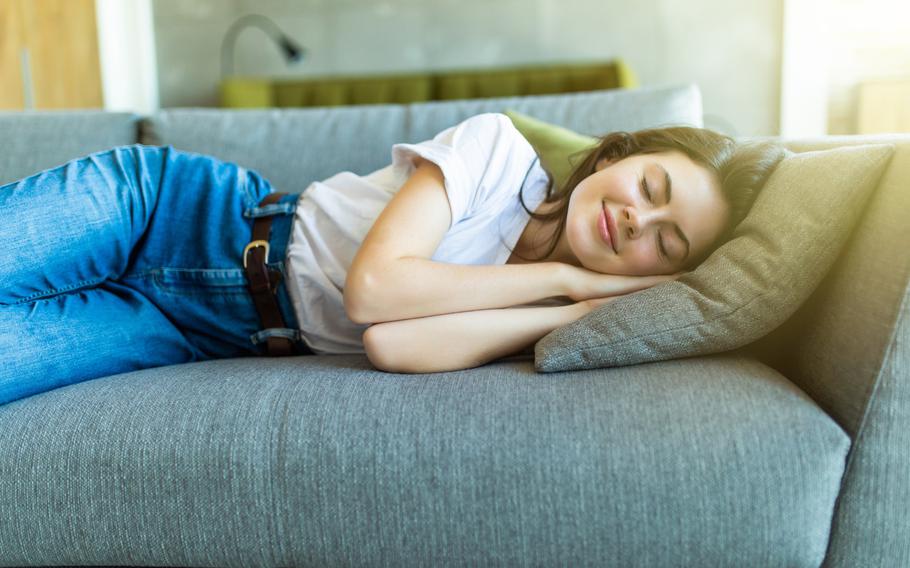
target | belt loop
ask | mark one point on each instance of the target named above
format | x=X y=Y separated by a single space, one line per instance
x=263 y=281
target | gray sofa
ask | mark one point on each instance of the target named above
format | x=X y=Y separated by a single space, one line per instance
x=792 y=451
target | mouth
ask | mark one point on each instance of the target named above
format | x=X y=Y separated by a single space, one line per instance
x=610 y=226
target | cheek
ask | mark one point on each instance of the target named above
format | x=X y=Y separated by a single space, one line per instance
x=576 y=233
x=641 y=253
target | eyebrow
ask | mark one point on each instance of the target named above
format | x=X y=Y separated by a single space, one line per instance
x=679 y=232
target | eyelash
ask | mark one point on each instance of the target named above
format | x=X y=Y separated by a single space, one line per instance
x=660 y=242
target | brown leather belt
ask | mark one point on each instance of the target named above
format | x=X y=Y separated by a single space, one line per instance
x=264 y=281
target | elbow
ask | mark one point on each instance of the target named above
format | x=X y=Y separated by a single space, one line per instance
x=354 y=300
x=353 y=311
x=397 y=347
x=377 y=352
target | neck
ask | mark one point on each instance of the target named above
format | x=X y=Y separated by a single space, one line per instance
x=538 y=237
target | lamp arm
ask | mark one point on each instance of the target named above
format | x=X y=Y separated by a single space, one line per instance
x=230 y=38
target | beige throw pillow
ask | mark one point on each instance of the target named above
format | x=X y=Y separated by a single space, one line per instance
x=751 y=284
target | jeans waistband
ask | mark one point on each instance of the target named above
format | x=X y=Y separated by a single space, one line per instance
x=279 y=236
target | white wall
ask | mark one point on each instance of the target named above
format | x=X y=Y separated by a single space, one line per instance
x=804 y=73
x=830 y=48
x=126 y=48
x=730 y=49
x=869 y=40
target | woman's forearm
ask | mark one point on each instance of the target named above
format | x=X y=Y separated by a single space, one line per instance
x=415 y=287
x=462 y=340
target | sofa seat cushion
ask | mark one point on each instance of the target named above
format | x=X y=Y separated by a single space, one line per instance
x=321 y=460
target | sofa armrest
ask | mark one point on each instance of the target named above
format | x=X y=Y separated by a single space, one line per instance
x=848 y=347
x=836 y=345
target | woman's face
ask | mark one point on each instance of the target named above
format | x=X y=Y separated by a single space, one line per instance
x=683 y=216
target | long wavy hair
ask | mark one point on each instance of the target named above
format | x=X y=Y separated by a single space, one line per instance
x=742 y=168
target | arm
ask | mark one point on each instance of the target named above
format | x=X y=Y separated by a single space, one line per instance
x=391 y=277
x=463 y=340
x=416 y=287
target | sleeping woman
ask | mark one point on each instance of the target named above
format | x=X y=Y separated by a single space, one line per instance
x=462 y=250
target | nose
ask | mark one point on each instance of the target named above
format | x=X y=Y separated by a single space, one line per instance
x=635 y=221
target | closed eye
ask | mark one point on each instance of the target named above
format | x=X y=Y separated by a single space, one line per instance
x=668 y=182
x=662 y=252
x=644 y=188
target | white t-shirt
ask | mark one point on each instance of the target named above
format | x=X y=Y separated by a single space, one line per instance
x=485 y=161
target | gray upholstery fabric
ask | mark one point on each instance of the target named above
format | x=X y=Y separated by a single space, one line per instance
x=834 y=346
x=294 y=147
x=872 y=526
x=290 y=147
x=749 y=286
x=706 y=461
x=848 y=347
x=37 y=140
x=322 y=461
x=593 y=113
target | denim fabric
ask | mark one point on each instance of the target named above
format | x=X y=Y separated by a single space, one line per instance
x=131 y=258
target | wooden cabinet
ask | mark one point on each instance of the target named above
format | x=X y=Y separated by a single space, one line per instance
x=11 y=38
x=49 y=55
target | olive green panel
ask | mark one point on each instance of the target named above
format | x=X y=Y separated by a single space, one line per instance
x=353 y=91
x=240 y=92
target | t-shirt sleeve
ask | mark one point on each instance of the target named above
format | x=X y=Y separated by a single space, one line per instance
x=483 y=160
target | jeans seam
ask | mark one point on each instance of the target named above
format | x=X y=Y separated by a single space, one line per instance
x=88 y=282
x=277 y=264
x=190 y=287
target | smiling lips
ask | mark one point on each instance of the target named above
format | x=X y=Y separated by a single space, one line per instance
x=603 y=227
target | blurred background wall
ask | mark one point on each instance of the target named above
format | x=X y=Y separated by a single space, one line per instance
x=764 y=67
x=868 y=61
x=733 y=54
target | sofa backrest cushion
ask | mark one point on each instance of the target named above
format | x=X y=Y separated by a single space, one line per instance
x=33 y=141
x=290 y=147
x=294 y=147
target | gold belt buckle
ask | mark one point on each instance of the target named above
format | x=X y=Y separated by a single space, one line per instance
x=253 y=244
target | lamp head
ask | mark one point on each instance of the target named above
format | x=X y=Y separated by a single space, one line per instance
x=292 y=51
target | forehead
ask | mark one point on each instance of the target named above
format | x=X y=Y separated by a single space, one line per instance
x=684 y=171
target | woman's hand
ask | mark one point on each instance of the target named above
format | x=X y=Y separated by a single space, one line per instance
x=584 y=284
x=584 y=307
x=592 y=304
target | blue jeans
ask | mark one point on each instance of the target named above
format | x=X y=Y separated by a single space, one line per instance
x=128 y=259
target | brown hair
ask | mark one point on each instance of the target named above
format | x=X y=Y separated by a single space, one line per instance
x=741 y=169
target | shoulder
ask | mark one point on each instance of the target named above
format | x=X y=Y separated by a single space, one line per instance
x=491 y=120
x=497 y=129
